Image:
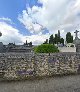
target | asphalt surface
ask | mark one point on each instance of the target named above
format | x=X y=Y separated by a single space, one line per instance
x=57 y=84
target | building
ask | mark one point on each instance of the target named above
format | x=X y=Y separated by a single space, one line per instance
x=67 y=49
x=11 y=47
x=70 y=45
x=20 y=48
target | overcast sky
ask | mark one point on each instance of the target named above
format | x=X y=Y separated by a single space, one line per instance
x=36 y=20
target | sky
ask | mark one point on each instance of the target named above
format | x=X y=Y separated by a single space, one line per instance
x=36 y=20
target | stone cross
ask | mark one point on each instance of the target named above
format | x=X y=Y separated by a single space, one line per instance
x=76 y=32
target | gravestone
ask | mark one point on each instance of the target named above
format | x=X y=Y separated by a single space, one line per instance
x=1 y=47
x=78 y=48
x=78 y=69
x=76 y=34
x=77 y=41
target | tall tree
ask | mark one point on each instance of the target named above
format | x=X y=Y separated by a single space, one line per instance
x=69 y=38
x=58 y=36
x=26 y=42
x=51 y=40
x=46 y=42
x=0 y=34
x=62 y=41
x=56 y=39
x=30 y=44
x=59 y=33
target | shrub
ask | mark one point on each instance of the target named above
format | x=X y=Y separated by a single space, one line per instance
x=46 y=48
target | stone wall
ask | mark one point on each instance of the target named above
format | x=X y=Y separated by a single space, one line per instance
x=25 y=65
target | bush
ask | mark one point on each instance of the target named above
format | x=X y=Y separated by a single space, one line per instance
x=46 y=48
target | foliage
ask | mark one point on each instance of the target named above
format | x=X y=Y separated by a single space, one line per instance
x=51 y=40
x=46 y=48
x=62 y=41
x=56 y=39
x=46 y=42
x=26 y=42
x=0 y=34
x=59 y=33
x=59 y=36
x=30 y=44
x=69 y=38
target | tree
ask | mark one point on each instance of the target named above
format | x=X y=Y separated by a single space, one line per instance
x=30 y=44
x=69 y=38
x=51 y=40
x=56 y=39
x=26 y=42
x=46 y=42
x=59 y=36
x=62 y=41
x=59 y=33
x=46 y=48
x=0 y=34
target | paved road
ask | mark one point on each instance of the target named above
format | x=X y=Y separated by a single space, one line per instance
x=62 y=84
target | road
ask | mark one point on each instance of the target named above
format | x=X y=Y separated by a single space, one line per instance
x=57 y=84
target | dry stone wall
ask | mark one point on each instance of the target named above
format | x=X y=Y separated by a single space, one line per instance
x=25 y=65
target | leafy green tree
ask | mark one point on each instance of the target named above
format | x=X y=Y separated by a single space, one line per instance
x=51 y=40
x=69 y=38
x=46 y=48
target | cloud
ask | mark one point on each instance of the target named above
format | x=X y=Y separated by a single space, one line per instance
x=53 y=15
x=11 y=35
x=5 y=19
x=38 y=38
x=29 y=22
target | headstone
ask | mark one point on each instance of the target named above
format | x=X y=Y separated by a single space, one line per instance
x=76 y=34
x=78 y=48
x=78 y=69
x=77 y=41
x=1 y=47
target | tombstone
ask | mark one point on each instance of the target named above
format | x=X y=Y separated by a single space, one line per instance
x=78 y=69
x=1 y=47
x=76 y=34
x=78 y=48
x=77 y=41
